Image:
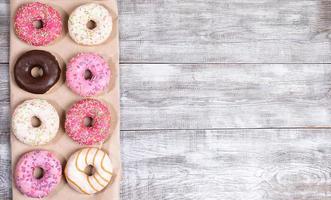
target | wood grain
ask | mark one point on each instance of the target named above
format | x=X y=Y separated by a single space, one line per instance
x=268 y=125
x=230 y=164
x=227 y=164
x=220 y=164
x=228 y=31
x=5 y=167
x=206 y=96
x=4 y=31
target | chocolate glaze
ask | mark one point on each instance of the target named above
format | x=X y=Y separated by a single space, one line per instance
x=36 y=58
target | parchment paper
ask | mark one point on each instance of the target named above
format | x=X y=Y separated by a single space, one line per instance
x=62 y=98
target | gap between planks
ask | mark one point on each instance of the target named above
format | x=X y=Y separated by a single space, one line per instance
x=225 y=129
x=207 y=63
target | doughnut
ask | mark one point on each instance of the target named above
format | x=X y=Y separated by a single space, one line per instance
x=49 y=19
x=22 y=126
x=99 y=77
x=43 y=60
x=98 y=16
x=37 y=187
x=97 y=131
x=77 y=175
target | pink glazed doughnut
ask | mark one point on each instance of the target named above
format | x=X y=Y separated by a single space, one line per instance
x=99 y=129
x=24 y=173
x=99 y=74
x=49 y=18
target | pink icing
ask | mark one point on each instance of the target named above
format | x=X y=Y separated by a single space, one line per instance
x=75 y=127
x=76 y=69
x=31 y=12
x=27 y=183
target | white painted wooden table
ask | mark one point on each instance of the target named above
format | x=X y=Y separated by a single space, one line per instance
x=221 y=99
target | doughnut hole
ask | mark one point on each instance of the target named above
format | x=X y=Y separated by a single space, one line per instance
x=35 y=122
x=89 y=170
x=88 y=122
x=88 y=74
x=91 y=24
x=38 y=173
x=37 y=72
x=38 y=24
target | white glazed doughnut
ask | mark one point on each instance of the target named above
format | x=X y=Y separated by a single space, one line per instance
x=75 y=170
x=81 y=16
x=22 y=126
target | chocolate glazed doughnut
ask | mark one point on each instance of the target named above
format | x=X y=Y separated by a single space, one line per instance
x=46 y=62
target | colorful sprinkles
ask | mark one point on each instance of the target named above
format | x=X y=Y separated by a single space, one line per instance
x=81 y=16
x=96 y=65
x=48 y=30
x=88 y=135
x=28 y=14
x=32 y=186
x=22 y=127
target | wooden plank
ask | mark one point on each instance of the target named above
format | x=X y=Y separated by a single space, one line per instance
x=219 y=164
x=228 y=31
x=225 y=96
x=5 y=167
x=4 y=100
x=229 y=164
x=217 y=96
x=5 y=162
x=4 y=31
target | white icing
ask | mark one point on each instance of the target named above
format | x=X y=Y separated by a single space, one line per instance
x=79 y=18
x=22 y=127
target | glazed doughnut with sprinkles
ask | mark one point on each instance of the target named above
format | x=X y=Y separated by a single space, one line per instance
x=64 y=99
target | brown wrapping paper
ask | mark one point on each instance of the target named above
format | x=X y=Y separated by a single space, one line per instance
x=62 y=98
